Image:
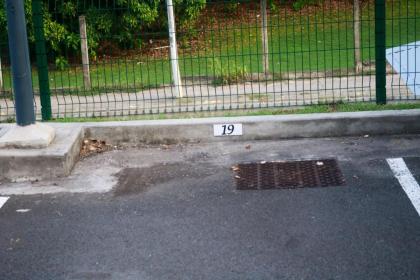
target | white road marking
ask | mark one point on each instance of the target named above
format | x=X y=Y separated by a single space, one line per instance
x=407 y=181
x=23 y=210
x=3 y=200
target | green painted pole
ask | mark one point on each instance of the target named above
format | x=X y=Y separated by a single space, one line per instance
x=380 y=59
x=41 y=59
x=19 y=58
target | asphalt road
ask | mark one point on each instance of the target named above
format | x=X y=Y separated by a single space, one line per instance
x=174 y=213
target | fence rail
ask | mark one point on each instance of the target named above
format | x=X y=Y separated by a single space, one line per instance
x=230 y=55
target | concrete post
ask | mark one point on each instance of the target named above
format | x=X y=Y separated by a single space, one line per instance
x=176 y=75
x=264 y=34
x=85 y=51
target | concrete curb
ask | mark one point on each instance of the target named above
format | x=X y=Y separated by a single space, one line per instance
x=258 y=127
x=59 y=158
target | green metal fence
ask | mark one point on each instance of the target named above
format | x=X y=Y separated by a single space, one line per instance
x=231 y=55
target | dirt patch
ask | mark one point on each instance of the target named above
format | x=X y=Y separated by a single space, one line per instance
x=138 y=180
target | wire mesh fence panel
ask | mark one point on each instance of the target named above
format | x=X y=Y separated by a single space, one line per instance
x=123 y=58
x=113 y=58
x=6 y=96
x=403 y=48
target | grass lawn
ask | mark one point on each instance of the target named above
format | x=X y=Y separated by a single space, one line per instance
x=315 y=39
x=340 y=107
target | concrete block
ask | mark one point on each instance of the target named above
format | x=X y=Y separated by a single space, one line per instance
x=56 y=160
x=35 y=136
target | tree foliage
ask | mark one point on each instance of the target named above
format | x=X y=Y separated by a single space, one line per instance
x=122 y=22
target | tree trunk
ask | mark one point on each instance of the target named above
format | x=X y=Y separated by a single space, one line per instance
x=264 y=34
x=176 y=75
x=85 y=51
x=1 y=77
x=357 y=37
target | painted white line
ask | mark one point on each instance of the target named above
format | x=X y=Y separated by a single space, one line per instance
x=3 y=200
x=23 y=210
x=407 y=181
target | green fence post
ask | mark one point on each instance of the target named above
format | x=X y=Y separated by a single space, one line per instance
x=41 y=59
x=380 y=59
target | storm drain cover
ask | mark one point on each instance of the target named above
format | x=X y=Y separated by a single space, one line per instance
x=288 y=174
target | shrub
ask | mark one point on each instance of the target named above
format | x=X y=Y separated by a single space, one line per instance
x=229 y=73
x=61 y=63
x=299 y=4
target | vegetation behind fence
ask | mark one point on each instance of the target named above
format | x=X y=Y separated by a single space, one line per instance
x=112 y=58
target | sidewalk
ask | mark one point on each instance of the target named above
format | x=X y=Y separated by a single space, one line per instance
x=208 y=97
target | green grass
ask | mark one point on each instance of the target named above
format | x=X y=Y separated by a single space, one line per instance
x=298 y=41
x=327 y=108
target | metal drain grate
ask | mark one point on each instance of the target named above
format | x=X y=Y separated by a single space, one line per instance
x=290 y=174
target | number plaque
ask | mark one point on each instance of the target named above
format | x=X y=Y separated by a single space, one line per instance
x=229 y=129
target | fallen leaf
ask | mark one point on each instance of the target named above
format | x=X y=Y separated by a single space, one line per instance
x=91 y=146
